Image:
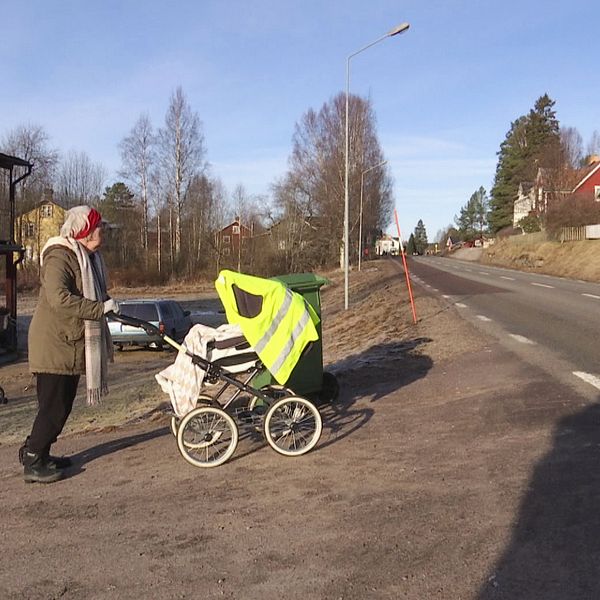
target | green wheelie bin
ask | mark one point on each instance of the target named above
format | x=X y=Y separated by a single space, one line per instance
x=307 y=378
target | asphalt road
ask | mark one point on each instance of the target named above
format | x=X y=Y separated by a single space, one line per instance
x=550 y=322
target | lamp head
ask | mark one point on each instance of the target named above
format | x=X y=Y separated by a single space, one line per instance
x=399 y=29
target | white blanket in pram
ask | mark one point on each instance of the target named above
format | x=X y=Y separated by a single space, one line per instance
x=183 y=380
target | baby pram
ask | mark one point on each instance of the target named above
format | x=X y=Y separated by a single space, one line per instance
x=208 y=435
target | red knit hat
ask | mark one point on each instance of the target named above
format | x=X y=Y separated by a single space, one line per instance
x=93 y=220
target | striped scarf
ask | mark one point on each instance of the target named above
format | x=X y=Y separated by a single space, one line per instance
x=98 y=343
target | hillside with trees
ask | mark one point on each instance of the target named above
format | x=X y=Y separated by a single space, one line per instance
x=536 y=154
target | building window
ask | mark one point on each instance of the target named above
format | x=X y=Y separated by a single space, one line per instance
x=227 y=239
x=46 y=211
x=28 y=229
x=226 y=251
x=235 y=229
x=597 y=193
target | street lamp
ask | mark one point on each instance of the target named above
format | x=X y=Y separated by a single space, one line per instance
x=362 y=179
x=399 y=29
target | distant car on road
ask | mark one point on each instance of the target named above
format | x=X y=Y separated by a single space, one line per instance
x=167 y=315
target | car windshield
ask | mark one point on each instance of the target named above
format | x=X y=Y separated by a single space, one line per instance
x=145 y=311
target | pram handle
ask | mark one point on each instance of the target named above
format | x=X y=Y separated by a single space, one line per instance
x=134 y=322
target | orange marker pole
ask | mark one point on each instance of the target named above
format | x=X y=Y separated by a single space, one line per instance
x=410 y=294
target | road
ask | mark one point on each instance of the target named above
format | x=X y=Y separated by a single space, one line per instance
x=550 y=322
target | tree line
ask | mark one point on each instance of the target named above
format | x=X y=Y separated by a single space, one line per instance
x=165 y=205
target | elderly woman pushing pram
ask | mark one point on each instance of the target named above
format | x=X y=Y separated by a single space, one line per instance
x=270 y=327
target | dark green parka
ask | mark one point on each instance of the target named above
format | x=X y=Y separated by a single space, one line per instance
x=56 y=334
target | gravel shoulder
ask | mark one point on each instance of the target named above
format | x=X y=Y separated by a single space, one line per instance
x=446 y=469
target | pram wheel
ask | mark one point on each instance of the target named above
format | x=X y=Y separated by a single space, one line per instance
x=207 y=437
x=293 y=426
x=203 y=400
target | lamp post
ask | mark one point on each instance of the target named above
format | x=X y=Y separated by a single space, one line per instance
x=399 y=29
x=362 y=179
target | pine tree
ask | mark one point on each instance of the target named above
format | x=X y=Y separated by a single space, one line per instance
x=411 y=247
x=472 y=218
x=481 y=205
x=529 y=141
x=116 y=201
x=420 y=237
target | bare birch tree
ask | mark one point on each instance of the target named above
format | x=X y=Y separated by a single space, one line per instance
x=593 y=147
x=158 y=196
x=571 y=147
x=79 y=180
x=31 y=142
x=314 y=185
x=137 y=157
x=181 y=149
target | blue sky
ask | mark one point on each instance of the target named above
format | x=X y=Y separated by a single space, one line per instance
x=444 y=93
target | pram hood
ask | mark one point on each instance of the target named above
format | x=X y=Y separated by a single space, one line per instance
x=277 y=322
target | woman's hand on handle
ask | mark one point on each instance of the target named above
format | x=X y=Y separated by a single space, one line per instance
x=111 y=305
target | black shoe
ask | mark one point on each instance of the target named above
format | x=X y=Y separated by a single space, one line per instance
x=60 y=462
x=37 y=469
x=22 y=450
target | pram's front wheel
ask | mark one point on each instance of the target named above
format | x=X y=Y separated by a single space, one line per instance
x=293 y=426
x=207 y=436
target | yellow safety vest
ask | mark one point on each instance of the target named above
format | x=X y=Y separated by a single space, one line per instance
x=277 y=322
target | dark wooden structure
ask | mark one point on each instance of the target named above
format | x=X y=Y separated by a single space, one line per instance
x=12 y=171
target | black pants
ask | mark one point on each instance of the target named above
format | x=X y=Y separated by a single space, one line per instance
x=55 y=395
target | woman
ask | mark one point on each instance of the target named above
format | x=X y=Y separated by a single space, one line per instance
x=68 y=336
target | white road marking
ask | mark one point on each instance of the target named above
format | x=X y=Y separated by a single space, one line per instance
x=542 y=285
x=469 y=270
x=592 y=296
x=483 y=318
x=460 y=305
x=435 y=289
x=446 y=296
x=520 y=338
x=483 y=273
x=588 y=378
x=505 y=277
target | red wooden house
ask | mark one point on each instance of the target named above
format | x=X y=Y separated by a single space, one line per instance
x=589 y=182
x=231 y=242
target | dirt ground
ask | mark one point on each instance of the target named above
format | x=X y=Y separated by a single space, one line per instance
x=429 y=473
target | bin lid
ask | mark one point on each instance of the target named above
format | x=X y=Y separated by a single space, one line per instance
x=302 y=281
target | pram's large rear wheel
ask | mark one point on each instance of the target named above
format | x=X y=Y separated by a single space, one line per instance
x=293 y=426
x=207 y=437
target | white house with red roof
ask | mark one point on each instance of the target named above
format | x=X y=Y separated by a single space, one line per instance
x=533 y=197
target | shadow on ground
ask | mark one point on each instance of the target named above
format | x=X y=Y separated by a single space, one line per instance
x=554 y=552
x=372 y=374
x=91 y=454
